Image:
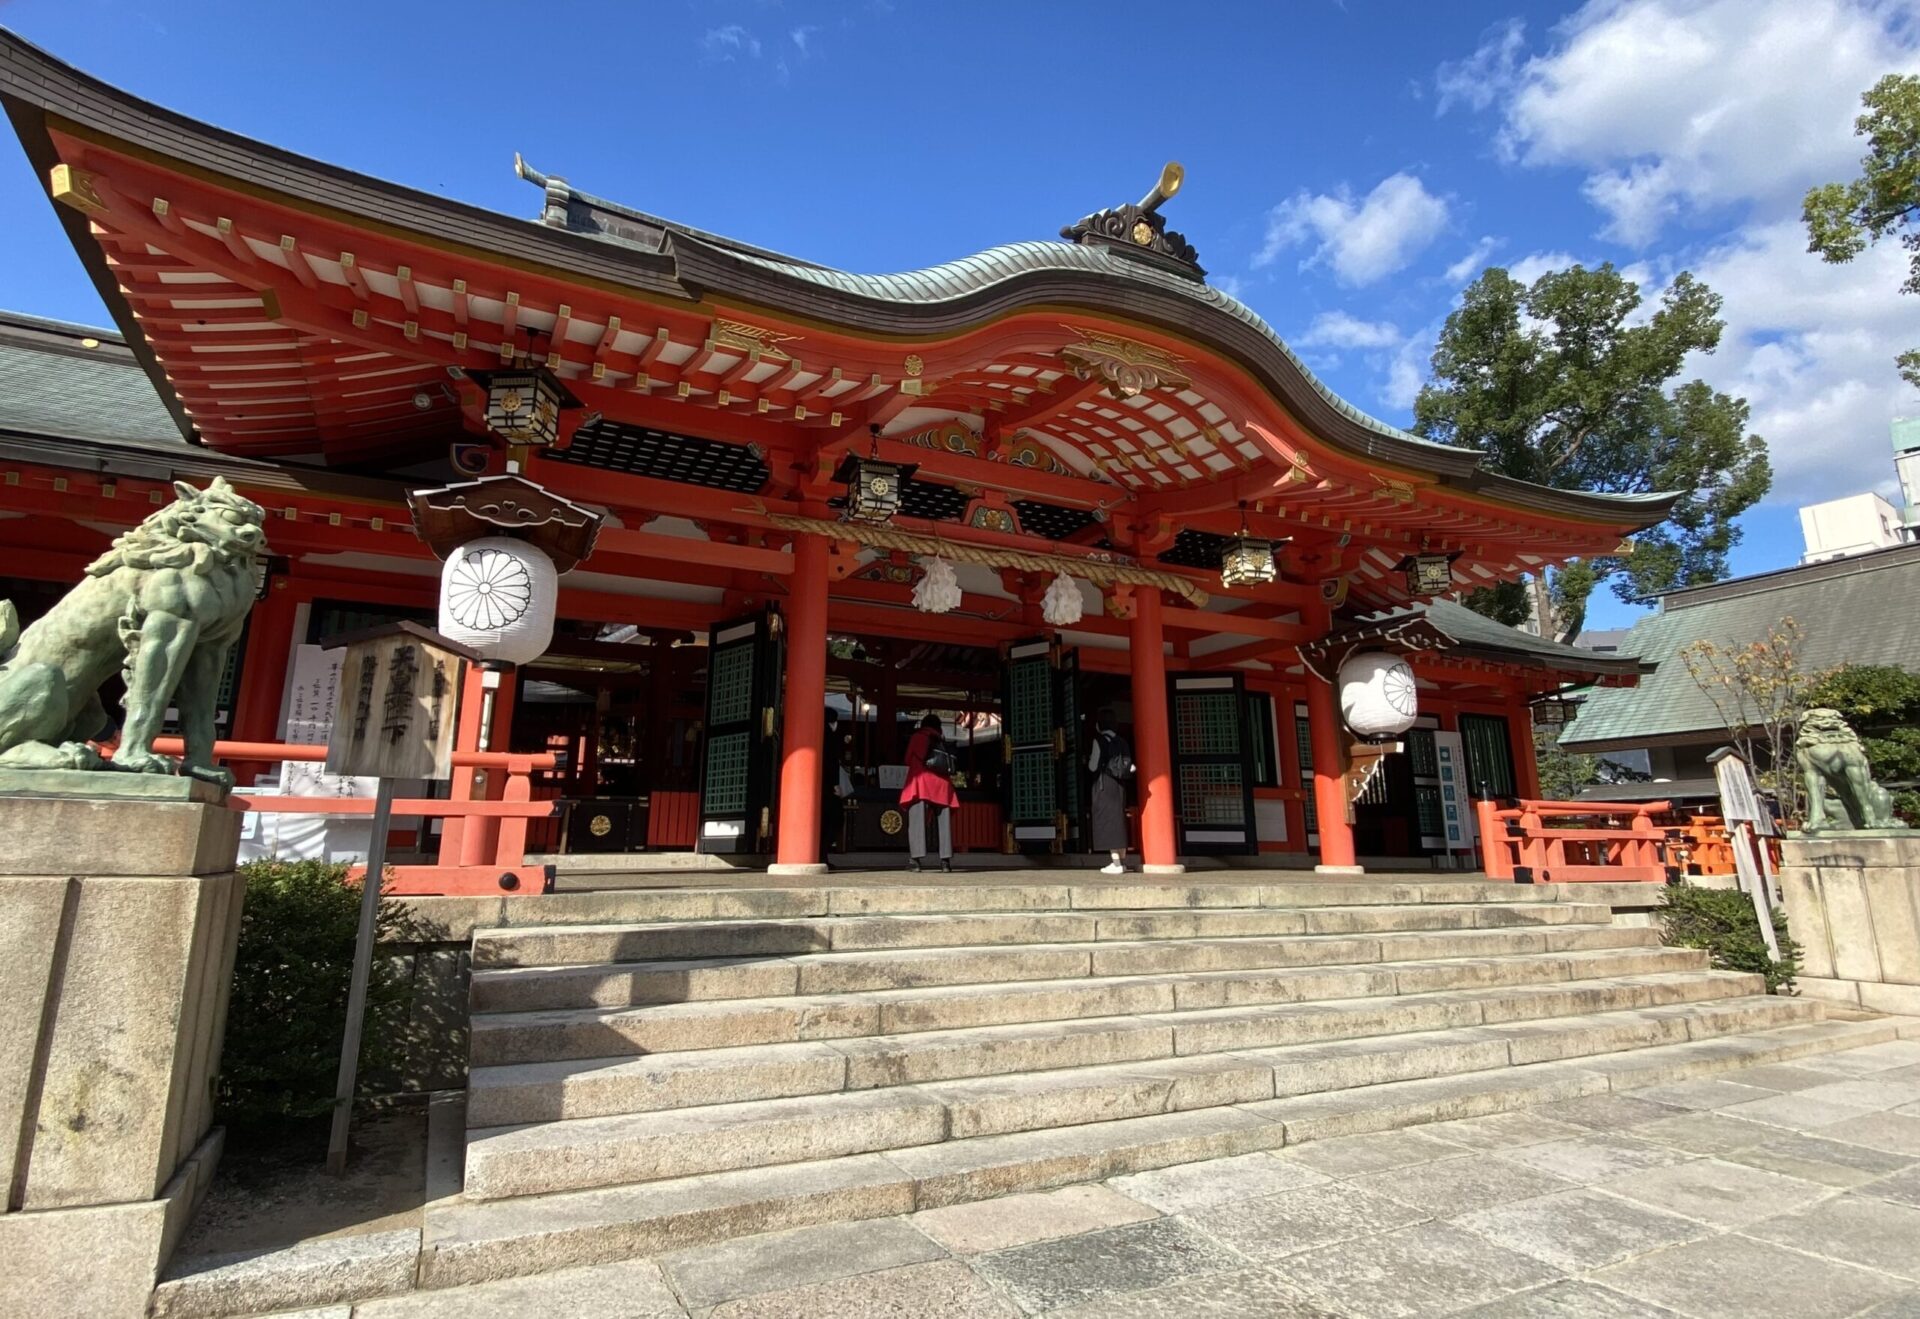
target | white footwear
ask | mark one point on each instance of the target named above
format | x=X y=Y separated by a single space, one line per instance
x=1113 y=868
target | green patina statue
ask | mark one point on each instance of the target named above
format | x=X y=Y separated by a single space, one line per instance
x=165 y=605
x=1829 y=756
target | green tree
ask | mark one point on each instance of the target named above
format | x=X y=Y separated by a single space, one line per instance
x=1566 y=383
x=1759 y=691
x=1563 y=773
x=1843 y=218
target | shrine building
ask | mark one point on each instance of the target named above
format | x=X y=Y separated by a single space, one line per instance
x=1147 y=503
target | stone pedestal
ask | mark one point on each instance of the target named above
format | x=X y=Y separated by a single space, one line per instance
x=118 y=921
x=1853 y=903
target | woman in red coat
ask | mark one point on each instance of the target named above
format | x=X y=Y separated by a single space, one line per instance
x=927 y=789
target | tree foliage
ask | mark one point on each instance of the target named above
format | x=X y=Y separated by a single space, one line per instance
x=1569 y=383
x=1759 y=691
x=1843 y=218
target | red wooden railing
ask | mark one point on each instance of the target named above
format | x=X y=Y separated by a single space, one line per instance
x=488 y=856
x=1602 y=842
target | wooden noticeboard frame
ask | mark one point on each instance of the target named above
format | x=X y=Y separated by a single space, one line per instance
x=399 y=694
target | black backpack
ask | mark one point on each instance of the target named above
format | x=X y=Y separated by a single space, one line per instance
x=1117 y=763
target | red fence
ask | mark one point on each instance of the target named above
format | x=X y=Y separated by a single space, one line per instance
x=483 y=846
x=1599 y=842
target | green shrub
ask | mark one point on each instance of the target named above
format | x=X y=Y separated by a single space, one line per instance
x=1722 y=922
x=290 y=979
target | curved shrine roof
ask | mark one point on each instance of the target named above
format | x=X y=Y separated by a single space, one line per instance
x=353 y=300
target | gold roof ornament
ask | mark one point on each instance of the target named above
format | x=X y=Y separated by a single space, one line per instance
x=1139 y=230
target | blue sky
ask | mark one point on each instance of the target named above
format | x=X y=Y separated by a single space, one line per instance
x=1350 y=166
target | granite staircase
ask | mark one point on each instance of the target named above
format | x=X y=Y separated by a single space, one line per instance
x=773 y=1058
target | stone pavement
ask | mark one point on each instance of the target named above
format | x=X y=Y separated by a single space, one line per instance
x=1790 y=1190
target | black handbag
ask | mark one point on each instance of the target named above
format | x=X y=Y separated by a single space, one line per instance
x=940 y=760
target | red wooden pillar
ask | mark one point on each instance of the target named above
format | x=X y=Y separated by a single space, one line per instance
x=1159 y=842
x=473 y=841
x=1329 y=786
x=1526 y=764
x=798 y=849
x=263 y=674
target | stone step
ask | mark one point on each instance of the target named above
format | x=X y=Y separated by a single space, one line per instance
x=541 y=988
x=467 y=1241
x=887 y=1102
x=639 y=906
x=577 y=945
x=602 y=1087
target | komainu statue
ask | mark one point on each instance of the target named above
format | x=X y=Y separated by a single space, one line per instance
x=1829 y=756
x=165 y=606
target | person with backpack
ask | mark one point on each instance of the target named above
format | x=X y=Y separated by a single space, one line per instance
x=929 y=786
x=1111 y=763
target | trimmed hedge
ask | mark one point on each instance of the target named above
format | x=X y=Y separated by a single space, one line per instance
x=291 y=973
x=1722 y=922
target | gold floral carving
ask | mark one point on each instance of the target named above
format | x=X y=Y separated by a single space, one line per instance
x=915 y=364
x=1129 y=368
x=742 y=337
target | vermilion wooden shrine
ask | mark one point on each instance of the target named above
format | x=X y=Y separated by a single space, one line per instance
x=1087 y=405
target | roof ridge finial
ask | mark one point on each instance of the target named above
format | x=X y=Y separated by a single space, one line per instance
x=1140 y=231
x=558 y=193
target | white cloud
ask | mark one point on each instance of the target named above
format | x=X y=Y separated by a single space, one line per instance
x=1231 y=285
x=1675 y=107
x=1484 y=75
x=1406 y=372
x=1363 y=241
x=801 y=36
x=1338 y=329
x=729 y=43
x=1470 y=265
x=1535 y=264
x=1811 y=346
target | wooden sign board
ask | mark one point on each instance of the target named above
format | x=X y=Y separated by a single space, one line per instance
x=398 y=700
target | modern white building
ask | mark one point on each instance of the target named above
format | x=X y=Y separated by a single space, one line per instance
x=1857 y=524
x=1852 y=525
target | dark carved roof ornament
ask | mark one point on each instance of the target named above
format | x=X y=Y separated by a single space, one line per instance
x=507 y=505
x=1141 y=231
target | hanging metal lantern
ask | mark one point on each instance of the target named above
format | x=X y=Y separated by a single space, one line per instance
x=874 y=488
x=1248 y=559
x=523 y=405
x=1552 y=712
x=1428 y=573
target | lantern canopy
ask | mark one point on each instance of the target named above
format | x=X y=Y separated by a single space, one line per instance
x=1428 y=573
x=1247 y=561
x=523 y=405
x=1378 y=698
x=497 y=598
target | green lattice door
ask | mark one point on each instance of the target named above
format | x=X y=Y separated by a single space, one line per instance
x=1032 y=739
x=737 y=780
x=1071 y=764
x=1212 y=763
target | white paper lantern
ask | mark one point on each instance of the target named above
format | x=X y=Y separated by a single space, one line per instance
x=1378 y=698
x=1062 y=605
x=939 y=590
x=497 y=596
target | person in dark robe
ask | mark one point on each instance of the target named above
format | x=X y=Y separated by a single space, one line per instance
x=1110 y=761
